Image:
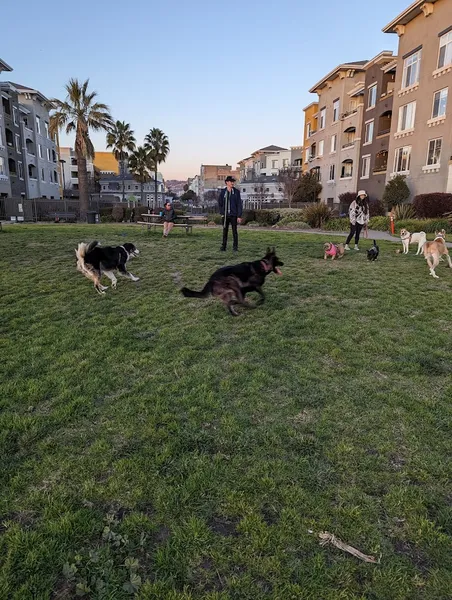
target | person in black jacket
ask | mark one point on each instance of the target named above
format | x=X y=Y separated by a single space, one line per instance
x=169 y=216
x=231 y=209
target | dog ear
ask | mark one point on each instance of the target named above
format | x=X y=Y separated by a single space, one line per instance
x=268 y=251
x=273 y=250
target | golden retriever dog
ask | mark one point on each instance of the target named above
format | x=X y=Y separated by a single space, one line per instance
x=412 y=238
x=333 y=250
x=433 y=251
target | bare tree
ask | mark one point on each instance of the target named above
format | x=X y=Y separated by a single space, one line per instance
x=289 y=178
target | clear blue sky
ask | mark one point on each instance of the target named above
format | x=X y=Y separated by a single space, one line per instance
x=221 y=79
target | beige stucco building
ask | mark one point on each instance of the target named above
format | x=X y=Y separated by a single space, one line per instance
x=332 y=151
x=421 y=134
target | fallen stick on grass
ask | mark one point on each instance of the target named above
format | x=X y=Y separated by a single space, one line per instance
x=329 y=538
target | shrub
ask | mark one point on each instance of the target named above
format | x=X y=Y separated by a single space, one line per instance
x=396 y=191
x=294 y=225
x=139 y=210
x=403 y=211
x=345 y=200
x=248 y=216
x=118 y=213
x=289 y=214
x=427 y=225
x=339 y=224
x=290 y=219
x=216 y=218
x=317 y=214
x=430 y=206
x=267 y=218
x=379 y=223
x=105 y=215
x=377 y=208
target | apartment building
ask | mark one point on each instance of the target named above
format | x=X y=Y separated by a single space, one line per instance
x=212 y=178
x=5 y=184
x=106 y=163
x=376 y=126
x=259 y=182
x=111 y=185
x=69 y=170
x=333 y=150
x=421 y=136
x=310 y=128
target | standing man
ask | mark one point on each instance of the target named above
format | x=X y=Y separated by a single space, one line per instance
x=231 y=208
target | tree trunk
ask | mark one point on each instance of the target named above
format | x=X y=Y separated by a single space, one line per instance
x=82 y=186
x=142 y=201
x=156 y=187
x=123 y=180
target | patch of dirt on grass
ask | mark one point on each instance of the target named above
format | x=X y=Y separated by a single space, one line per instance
x=305 y=416
x=416 y=556
x=225 y=526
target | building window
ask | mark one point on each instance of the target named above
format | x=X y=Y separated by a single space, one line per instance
x=17 y=143
x=347 y=168
x=46 y=127
x=445 y=50
x=20 y=170
x=434 y=152
x=402 y=160
x=372 y=97
x=306 y=155
x=285 y=163
x=411 y=69
x=406 y=116
x=1 y=138
x=48 y=154
x=332 y=172
x=55 y=176
x=43 y=175
x=365 y=167
x=322 y=118
x=2 y=167
x=321 y=146
x=369 y=132
x=40 y=150
x=440 y=103
x=308 y=130
x=15 y=120
x=38 y=125
x=313 y=153
x=274 y=164
x=50 y=176
x=336 y=105
x=333 y=143
x=12 y=166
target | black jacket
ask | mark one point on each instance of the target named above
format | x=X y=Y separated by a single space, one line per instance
x=169 y=215
x=235 y=206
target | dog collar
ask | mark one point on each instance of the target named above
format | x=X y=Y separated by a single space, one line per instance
x=124 y=250
x=407 y=237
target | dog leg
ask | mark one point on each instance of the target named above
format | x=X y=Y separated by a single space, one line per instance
x=325 y=257
x=127 y=274
x=112 y=278
x=449 y=260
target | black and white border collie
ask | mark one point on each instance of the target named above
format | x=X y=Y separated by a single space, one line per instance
x=94 y=261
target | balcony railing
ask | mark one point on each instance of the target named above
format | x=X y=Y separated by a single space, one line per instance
x=380 y=168
x=313 y=131
x=348 y=113
x=384 y=132
x=348 y=144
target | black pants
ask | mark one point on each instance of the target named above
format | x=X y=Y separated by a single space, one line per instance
x=355 y=230
x=233 y=221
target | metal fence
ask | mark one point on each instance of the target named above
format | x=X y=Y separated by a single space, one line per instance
x=43 y=209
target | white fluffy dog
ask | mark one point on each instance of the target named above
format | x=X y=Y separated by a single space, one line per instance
x=412 y=238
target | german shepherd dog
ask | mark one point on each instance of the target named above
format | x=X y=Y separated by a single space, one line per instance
x=94 y=261
x=231 y=284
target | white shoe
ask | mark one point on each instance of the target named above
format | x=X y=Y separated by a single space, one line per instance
x=346 y=247
x=356 y=247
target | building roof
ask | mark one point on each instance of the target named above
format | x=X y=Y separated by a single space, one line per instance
x=384 y=56
x=271 y=148
x=355 y=66
x=118 y=178
x=309 y=106
x=22 y=89
x=410 y=13
x=4 y=66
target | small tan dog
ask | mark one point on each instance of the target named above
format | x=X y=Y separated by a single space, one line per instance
x=333 y=250
x=412 y=238
x=433 y=251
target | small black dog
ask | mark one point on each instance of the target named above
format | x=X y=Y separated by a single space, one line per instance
x=231 y=284
x=373 y=253
x=94 y=261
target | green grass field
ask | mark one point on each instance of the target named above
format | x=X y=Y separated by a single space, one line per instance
x=152 y=444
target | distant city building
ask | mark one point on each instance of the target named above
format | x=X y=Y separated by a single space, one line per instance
x=212 y=178
x=111 y=185
x=68 y=161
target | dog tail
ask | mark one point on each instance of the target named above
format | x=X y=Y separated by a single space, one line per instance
x=80 y=252
x=202 y=294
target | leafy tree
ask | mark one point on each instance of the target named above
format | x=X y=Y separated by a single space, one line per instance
x=157 y=145
x=396 y=191
x=141 y=166
x=80 y=113
x=308 y=189
x=122 y=141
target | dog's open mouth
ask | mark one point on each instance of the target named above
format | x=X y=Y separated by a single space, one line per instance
x=278 y=271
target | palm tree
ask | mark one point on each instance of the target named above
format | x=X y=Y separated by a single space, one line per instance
x=141 y=165
x=157 y=145
x=80 y=113
x=121 y=139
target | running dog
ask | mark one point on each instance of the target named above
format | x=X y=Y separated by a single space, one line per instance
x=412 y=238
x=333 y=250
x=433 y=251
x=231 y=284
x=94 y=261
